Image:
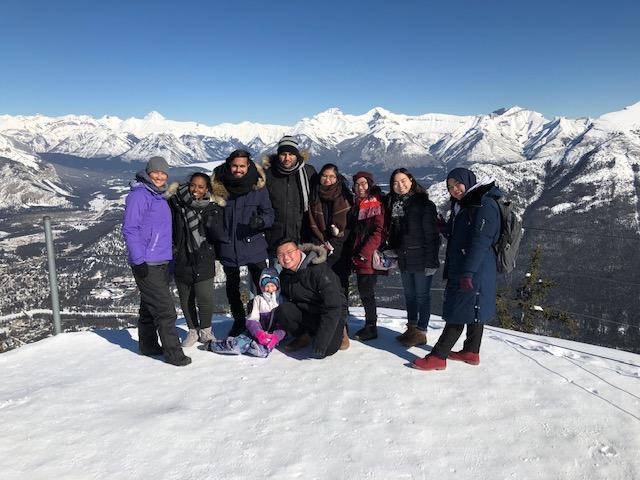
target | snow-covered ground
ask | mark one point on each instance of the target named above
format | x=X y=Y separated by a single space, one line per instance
x=86 y=406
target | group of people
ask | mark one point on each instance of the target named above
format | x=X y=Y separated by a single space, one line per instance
x=301 y=234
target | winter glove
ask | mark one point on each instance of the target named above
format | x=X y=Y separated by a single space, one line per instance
x=441 y=224
x=466 y=283
x=263 y=337
x=140 y=271
x=334 y=230
x=256 y=222
x=430 y=271
x=273 y=342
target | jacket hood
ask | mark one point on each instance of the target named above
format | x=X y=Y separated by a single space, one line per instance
x=143 y=180
x=213 y=198
x=315 y=254
x=221 y=192
x=473 y=197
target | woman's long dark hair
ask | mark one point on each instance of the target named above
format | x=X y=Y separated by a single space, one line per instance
x=415 y=186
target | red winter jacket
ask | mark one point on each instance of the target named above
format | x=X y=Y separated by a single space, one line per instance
x=368 y=232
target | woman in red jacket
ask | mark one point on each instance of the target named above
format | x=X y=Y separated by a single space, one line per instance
x=368 y=235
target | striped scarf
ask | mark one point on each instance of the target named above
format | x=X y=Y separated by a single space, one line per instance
x=192 y=213
x=303 y=180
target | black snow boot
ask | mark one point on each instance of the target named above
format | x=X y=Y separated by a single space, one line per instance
x=369 y=332
x=178 y=359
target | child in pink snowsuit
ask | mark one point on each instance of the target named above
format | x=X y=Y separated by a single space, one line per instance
x=260 y=321
x=262 y=334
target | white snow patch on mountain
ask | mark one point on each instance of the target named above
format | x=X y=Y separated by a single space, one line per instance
x=626 y=119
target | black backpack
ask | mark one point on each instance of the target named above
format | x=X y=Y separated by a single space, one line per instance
x=511 y=233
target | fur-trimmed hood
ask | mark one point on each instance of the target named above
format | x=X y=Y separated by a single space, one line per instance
x=269 y=160
x=219 y=190
x=215 y=196
x=315 y=254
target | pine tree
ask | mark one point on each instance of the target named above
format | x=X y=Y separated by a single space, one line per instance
x=526 y=313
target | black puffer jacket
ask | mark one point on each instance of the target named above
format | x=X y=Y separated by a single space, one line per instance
x=286 y=200
x=315 y=289
x=193 y=267
x=415 y=237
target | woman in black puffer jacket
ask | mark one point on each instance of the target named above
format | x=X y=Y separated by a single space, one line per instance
x=197 y=218
x=413 y=234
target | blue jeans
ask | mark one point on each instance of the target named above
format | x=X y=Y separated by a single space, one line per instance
x=417 y=296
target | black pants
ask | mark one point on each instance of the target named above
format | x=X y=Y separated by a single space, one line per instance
x=196 y=300
x=296 y=322
x=233 y=290
x=366 y=289
x=157 y=313
x=450 y=336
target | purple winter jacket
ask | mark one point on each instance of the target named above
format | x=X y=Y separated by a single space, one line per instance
x=147 y=226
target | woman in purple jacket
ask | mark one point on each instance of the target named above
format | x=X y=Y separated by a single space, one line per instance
x=147 y=233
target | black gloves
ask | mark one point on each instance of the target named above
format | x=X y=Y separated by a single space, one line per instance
x=256 y=222
x=140 y=271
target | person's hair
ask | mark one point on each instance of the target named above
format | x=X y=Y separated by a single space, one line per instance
x=284 y=240
x=204 y=176
x=238 y=154
x=328 y=166
x=415 y=186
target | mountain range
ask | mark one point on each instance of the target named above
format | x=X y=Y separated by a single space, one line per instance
x=523 y=150
x=575 y=181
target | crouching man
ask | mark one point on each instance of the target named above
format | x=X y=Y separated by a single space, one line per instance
x=316 y=310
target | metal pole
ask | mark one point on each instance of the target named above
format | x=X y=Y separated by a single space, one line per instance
x=53 y=278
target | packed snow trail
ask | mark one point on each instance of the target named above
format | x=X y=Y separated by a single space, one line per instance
x=86 y=405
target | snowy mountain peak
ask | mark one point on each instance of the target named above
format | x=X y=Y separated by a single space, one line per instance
x=154 y=116
x=625 y=119
x=379 y=112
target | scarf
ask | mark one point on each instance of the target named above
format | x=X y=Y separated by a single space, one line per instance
x=398 y=206
x=303 y=180
x=369 y=207
x=237 y=186
x=398 y=210
x=338 y=208
x=191 y=211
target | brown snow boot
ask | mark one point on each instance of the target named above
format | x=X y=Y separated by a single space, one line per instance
x=298 y=343
x=415 y=337
x=410 y=329
x=345 y=340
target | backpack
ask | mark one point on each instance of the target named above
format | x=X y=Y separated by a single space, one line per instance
x=511 y=232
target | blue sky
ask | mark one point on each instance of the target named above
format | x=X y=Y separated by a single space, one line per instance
x=278 y=61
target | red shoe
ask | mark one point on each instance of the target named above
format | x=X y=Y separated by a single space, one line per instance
x=430 y=362
x=466 y=357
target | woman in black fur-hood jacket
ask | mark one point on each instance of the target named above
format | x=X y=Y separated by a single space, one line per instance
x=197 y=220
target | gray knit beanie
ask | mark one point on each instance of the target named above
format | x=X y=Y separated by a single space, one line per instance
x=288 y=144
x=157 y=164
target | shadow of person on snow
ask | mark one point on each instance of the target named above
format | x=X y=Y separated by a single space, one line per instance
x=387 y=341
x=121 y=338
